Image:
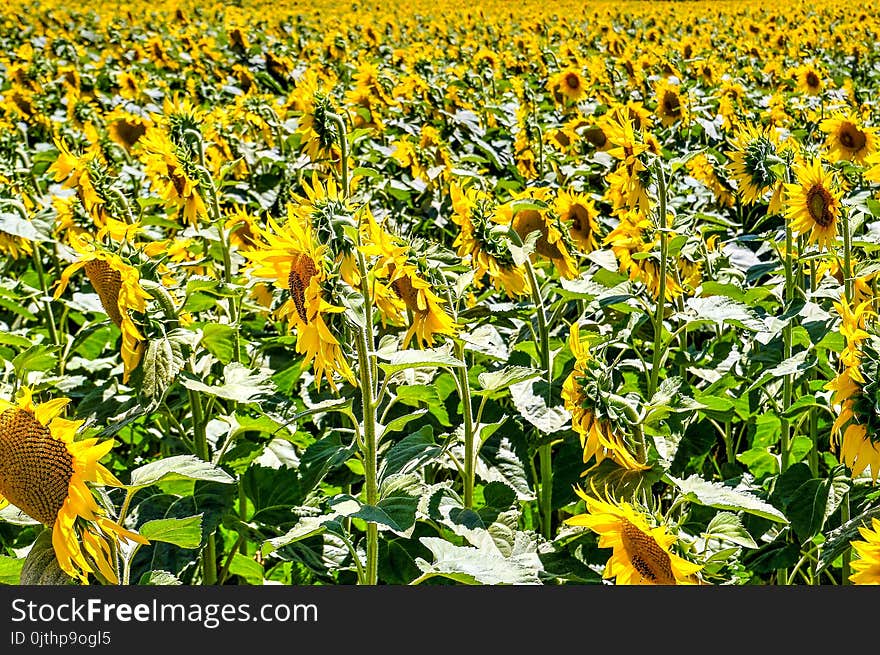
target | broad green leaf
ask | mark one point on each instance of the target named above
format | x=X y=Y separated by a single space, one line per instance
x=469 y=565
x=219 y=339
x=728 y=527
x=839 y=539
x=41 y=566
x=713 y=494
x=176 y=468
x=721 y=310
x=534 y=409
x=406 y=359
x=240 y=384
x=10 y=570
x=247 y=568
x=185 y=532
x=159 y=579
x=162 y=361
x=35 y=358
x=499 y=380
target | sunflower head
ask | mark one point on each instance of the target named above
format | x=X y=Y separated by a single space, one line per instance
x=642 y=552
x=45 y=473
x=754 y=153
x=813 y=204
x=866 y=569
x=847 y=139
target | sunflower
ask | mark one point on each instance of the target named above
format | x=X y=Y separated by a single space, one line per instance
x=671 y=105
x=568 y=83
x=856 y=427
x=399 y=287
x=641 y=553
x=474 y=213
x=290 y=255
x=598 y=423
x=45 y=473
x=809 y=80
x=118 y=287
x=126 y=128
x=867 y=567
x=578 y=212
x=847 y=139
x=173 y=173
x=754 y=149
x=703 y=170
x=77 y=172
x=813 y=204
x=529 y=212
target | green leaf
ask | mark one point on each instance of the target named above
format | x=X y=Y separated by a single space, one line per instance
x=499 y=380
x=10 y=570
x=406 y=359
x=712 y=494
x=240 y=384
x=410 y=453
x=838 y=541
x=478 y=566
x=162 y=361
x=35 y=358
x=219 y=339
x=721 y=310
x=728 y=527
x=176 y=468
x=533 y=408
x=247 y=568
x=159 y=579
x=41 y=566
x=185 y=532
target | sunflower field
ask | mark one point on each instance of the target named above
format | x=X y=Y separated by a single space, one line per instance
x=438 y=292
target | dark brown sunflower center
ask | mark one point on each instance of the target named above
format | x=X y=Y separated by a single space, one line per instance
x=671 y=104
x=531 y=220
x=107 y=282
x=128 y=132
x=580 y=220
x=302 y=270
x=852 y=138
x=819 y=203
x=596 y=136
x=812 y=80
x=35 y=468
x=646 y=555
x=573 y=81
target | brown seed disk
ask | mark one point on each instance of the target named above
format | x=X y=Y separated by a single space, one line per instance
x=302 y=269
x=107 y=282
x=819 y=202
x=646 y=555
x=35 y=468
x=404 y=290
x=852 y=138
x=580 y=220
x=671 y=104
x=529 y=220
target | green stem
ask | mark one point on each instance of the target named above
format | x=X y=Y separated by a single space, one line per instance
x=370 y=453
x=467 y=409
x=661 y=294
x=47 y=302
x=200 y=436
x=848 y=292
x=545 y=451
x=785 y=436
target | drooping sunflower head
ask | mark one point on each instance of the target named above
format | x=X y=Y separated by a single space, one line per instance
x=291 y=257
x=848 y=139
x=597 y=414
x=642 y=553
x=118 y=286
x=474 y=211
x=754 y=152
x=529 y=212
x=813 y=204
x=866 y=569
x=45 y=473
